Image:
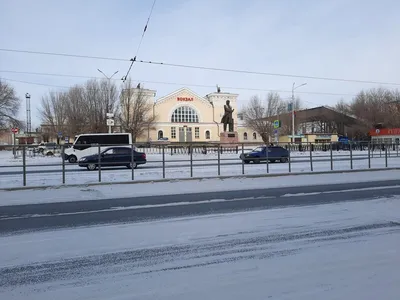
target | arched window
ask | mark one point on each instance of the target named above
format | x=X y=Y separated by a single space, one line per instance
x=160 y=134
x=208 y=135
x=254 y=136
x=245 y=136
x=185 y=114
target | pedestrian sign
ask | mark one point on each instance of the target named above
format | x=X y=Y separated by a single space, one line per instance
x=277 y=124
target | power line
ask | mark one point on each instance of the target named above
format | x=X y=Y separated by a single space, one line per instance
x=182 y=84
x=140 y=42
x=64 y=54
x=265 y=73
x=203 y=67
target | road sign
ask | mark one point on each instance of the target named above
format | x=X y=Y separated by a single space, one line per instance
x=110 y=115
x=60 y=134
x=14 y=130
x=275 y=131
x=110 y=122
x=290 y=107
x=66 y=139
x=277 y=124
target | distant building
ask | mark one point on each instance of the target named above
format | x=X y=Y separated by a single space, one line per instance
x=184 y=116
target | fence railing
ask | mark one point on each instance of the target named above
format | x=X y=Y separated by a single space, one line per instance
x=25 y=167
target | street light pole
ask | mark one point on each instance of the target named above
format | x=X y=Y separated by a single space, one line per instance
x=294 y=88
x=109 y=90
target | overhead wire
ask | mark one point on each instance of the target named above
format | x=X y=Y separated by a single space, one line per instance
x=140 y=43
x=264 y=73
x=205 y=67
x=181 y=84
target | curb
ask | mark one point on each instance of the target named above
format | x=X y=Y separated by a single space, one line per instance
x=193 y=179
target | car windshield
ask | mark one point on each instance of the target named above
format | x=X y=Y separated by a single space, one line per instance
x=258 y=149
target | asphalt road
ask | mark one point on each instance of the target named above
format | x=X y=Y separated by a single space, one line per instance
x=120 y=210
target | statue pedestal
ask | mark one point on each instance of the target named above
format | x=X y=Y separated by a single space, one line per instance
x=229 y=138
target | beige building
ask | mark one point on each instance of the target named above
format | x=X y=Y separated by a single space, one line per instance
x=184 y=116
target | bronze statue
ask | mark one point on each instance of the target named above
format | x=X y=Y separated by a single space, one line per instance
x=227 y=118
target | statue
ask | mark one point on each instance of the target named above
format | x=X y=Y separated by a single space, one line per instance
x=227 y=118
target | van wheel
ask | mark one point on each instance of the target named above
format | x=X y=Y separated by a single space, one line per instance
x=72 y=159
x=91 y=167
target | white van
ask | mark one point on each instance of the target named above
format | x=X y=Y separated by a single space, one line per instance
x=88 y=144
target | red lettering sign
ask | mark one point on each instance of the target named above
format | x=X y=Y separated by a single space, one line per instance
x=384 y=131
x=184 y=99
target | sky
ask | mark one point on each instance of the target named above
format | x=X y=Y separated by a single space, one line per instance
x=349 y=39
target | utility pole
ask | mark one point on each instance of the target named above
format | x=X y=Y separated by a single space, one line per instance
x=294 y=88
x=109 y=122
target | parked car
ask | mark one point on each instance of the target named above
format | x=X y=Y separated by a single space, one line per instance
x=112 y=157
x=46 y=147
x=259 y=154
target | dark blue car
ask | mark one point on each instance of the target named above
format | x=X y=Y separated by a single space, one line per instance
x=114 y=156
x=263 y=153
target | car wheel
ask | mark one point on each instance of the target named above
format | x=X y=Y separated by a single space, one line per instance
x=256 y=161
x=272 y=160
x=284 y=160
x=49 y=153
x=134 y=165
x=72 y=159
x=246 y=161
x=91 y=167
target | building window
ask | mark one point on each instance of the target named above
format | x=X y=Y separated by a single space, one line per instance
x=185 y=114
x=160 y=134
x=173 y=132
x=254 y=136
x=196 y=132
x=208 y=135
x=245 y=136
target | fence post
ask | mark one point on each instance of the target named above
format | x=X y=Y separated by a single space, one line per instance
x=369 y=155
x=331 y=156
x=351 y=155
x=386 y=157
x=311 y=162
x=191 y=160
x=219 y=160
x=243 y=159
x=290 y=161
x=133 y=162
x=267 y=155
x=163 y=160
x=99 y=163
x=63 y=163
x=24 y=164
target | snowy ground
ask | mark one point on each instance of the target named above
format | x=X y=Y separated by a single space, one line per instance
x=333 y=251
x=48 y=170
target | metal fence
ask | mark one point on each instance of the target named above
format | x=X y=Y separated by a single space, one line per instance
x=188 y=158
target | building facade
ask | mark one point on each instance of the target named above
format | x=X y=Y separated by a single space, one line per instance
x=184 y=116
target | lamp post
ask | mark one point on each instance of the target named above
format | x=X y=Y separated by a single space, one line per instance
x=28 y=113
x=293 y=89
x=109 y=92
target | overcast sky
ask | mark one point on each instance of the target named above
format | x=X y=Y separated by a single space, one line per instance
x=354 y=39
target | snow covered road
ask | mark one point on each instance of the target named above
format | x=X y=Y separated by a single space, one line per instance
x=346 y=250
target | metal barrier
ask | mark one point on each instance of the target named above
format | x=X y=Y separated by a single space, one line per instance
x=190 y=160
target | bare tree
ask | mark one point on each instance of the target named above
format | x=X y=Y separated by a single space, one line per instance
x=257 y=114
x=53 y=112
x=136 y=112
x=99 y=98
x=9 y=105
x=77 y=111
